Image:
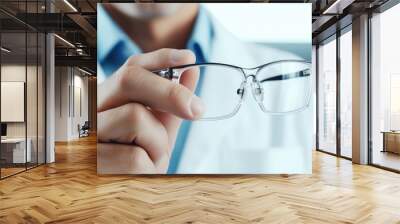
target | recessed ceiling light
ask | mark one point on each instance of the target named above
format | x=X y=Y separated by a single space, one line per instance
x=84 y=71
x=70 y=5
x=5 y=50
x=65 y=41
x=338 y=6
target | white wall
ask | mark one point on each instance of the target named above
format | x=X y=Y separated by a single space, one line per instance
x=79 y=117
x=33 y=126
x=61 y=103
x=16 y=72
x=70 y=83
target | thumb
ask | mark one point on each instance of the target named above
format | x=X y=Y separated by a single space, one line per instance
x=172 y=123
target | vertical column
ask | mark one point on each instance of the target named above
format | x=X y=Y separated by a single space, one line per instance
x=360 y=89
x=50 y=98
x=315 y=94
x=50 y=92
x=338 y=91
x=92 y=99
x=316 y=97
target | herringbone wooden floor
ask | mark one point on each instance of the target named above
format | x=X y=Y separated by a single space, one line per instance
x=69 y=191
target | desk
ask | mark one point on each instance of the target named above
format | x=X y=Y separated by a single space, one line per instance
x=13 y=150
x=391 y=141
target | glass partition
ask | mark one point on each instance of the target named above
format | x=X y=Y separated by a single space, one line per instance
x=14 y=153
x=22 y=91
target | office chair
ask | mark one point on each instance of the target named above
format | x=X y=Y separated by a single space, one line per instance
x=84 y=130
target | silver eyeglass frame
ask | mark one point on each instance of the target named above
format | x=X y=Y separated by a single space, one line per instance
x=174 y=74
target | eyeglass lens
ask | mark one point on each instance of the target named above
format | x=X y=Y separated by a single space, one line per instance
x=280 y=87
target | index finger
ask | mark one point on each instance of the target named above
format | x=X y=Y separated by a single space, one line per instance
x=133 y=83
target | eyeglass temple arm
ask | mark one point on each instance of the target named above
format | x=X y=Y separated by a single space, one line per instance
x=170 y=74
x=293 y=75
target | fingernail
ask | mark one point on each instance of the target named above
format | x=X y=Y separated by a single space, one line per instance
x=197 y=107
x=177 y=56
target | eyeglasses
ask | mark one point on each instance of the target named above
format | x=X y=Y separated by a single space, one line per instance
x=279 y=87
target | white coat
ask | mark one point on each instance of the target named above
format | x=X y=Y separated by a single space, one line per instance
x=251 y=141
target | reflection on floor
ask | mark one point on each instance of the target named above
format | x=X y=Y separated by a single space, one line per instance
x=70 y=191
x=387 y=159
x=11 y=169
x=346 y=152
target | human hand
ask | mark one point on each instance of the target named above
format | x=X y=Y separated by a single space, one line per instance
x=139 y=113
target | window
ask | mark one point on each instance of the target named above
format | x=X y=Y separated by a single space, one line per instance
x=346 y=93
x=327 y=96
x=385 y=89
x=394 y=102
x=334 y=138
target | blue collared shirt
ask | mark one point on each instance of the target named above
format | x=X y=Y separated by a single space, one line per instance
x=114 y=47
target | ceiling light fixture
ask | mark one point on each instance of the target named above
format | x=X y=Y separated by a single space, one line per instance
x=84 y=71
x=70 y=5
x=79 y=51
x=337 y=7
x=65 y=41
x=5 y=49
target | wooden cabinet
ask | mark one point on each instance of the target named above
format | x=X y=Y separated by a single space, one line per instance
x=391 y=142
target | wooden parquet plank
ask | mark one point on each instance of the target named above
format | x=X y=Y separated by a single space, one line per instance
x=70 y=191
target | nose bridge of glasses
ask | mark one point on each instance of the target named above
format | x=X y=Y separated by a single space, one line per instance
x=256 y=88
x=250 y=73
x=251 y=77
x=254 y=83
x=251 y=80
